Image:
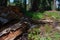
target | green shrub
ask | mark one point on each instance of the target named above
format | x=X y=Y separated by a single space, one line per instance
x=37 y=16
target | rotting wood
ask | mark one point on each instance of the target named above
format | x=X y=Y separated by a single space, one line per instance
x=11 y=29
x=12 y=32
x=11 y=35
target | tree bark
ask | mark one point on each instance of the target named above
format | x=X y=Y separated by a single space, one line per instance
x=35 y=5
x=3 y=2
x=54 y=5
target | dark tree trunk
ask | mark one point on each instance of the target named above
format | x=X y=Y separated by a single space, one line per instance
x=48 y=4
x=35 y=5
x=25 y=4
x=3 y=2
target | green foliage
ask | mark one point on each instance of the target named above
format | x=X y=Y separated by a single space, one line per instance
x=48 y=28
x=34 y=34
x=37 y=16
x=57 y=36
x=53 y=14
x=29 y=14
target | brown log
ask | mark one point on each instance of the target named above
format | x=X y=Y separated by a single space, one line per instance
x=11 y=35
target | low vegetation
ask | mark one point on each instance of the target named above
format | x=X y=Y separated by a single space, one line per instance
x=49 y=34
x=46 y=32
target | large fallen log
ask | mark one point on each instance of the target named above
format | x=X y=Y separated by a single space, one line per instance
x=11 y=35
x=13 y=31
x=11 y=25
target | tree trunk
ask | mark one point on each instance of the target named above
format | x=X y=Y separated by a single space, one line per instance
x=3 y=2
x=25 y=4
x=54 y=5
x=35 y=5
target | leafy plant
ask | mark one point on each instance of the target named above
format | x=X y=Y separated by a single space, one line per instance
x=37 y=16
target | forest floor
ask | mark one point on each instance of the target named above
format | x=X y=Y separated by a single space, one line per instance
x=48 y=31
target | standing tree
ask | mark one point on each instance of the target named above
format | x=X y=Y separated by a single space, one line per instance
x=35 y=4
x=54 y=5
x=3 y=2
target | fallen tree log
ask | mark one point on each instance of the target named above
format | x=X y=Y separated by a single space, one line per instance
x=11 y=35
x=11 y=25
x=13 y=31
